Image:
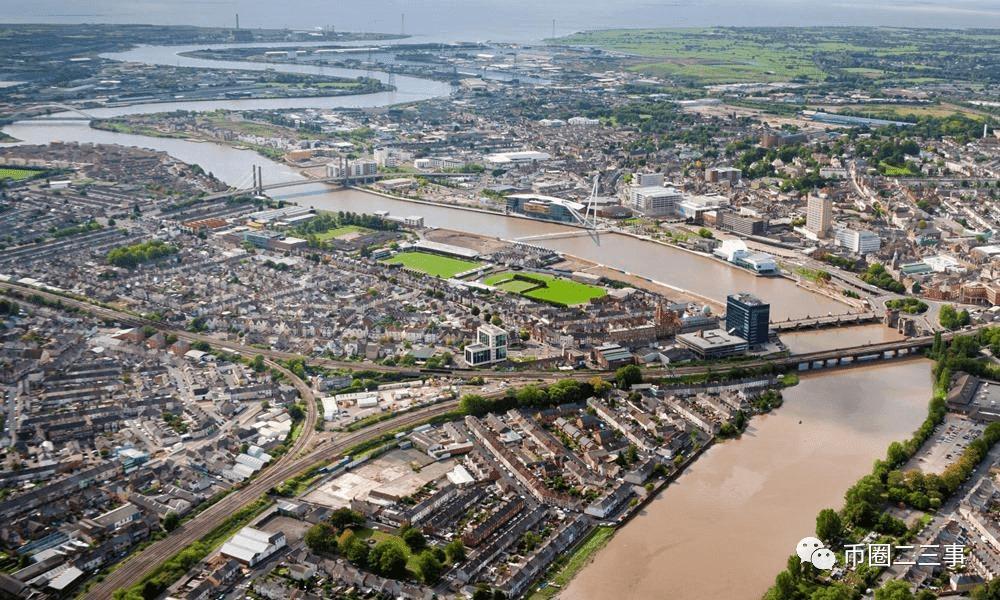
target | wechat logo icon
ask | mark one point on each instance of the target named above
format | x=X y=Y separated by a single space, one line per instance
x=811 y=550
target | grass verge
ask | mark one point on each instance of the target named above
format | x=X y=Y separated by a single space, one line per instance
x=565 y=568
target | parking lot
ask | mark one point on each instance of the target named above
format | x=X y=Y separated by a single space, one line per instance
x=946 y=445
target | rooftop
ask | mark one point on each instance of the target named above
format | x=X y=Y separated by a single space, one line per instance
x=747 y=298
x=711 y=339
x=549 y=200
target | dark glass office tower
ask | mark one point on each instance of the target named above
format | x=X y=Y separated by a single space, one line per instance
x=748 y=317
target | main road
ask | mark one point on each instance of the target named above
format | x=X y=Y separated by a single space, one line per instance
x=293 y=462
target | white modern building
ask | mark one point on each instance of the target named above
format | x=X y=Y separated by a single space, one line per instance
x=942 y=263
x=330 y=409
x=860 y=242
x=712 y=343
x=654 y=201
x=736 y=252
x=694 y=207
x=439 y=162
x=490 y=346
x=510 y=159
x=391 y=157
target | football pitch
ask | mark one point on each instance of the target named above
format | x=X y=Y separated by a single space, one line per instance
x=16 y=174
x=546 y=288
x=432 y=264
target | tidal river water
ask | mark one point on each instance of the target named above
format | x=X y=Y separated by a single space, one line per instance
x=725 y=527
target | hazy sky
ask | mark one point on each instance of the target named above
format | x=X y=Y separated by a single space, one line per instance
x=515 y=19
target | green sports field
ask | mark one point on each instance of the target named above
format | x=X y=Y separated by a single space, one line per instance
x=432 y=264
x=16 y=174
x=553 y=289
x=515 y=286
x=339 y=231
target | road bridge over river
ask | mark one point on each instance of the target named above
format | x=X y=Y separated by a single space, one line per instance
x=825 y=321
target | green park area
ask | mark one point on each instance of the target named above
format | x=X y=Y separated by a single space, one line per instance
x=432 y=264
x=366 y=534
x=546 y=288
x=16 y=174
x=341 y=231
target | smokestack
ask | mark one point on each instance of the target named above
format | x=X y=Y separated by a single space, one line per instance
x=237 y=20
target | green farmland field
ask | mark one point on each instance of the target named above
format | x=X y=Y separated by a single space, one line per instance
x=432 y=264
x=716 y=55
x=554 y=289
x=710 y=55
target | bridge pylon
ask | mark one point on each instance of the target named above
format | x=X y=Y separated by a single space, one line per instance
x=258 y=180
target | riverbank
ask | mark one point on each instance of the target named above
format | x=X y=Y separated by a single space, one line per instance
x=742 y=506
x=798 y=282
x=559 y=575
x=234 y=54
x=641 y=281
x=630 y=256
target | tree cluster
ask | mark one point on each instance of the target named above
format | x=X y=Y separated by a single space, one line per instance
x=9 y=308
x=951 y=318
x=627 y=376
x=324 y=536
x=911 y=306
x=132 y=256
x=388 y=558
x=878 y=276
